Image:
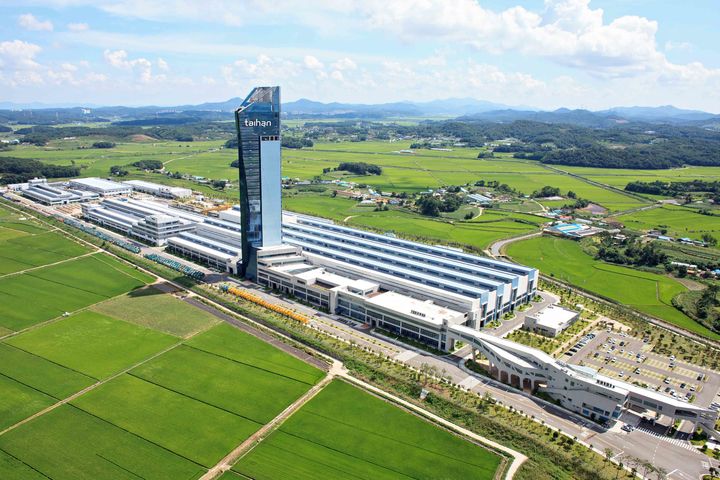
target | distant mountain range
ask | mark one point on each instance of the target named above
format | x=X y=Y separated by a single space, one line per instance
x=462 y=108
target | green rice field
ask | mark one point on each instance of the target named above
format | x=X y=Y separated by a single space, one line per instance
x=92 y=344
x=64 y=287
x=346 y=433
x=646 y=292
x=678 y=221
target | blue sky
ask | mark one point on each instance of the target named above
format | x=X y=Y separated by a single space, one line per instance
x=553 y=53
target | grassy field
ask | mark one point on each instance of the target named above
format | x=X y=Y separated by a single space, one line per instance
x=678 y=221
x=647 y=292
x=154 y=309
x=64 y=287
x=479 y=232
x=24 y=250
x=346 y=433
x=235 y=387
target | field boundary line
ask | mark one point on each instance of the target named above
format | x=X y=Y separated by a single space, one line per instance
x=207 y=352
x=48 y=265
x=185 y=395
x=255 y=439
x=24 y=463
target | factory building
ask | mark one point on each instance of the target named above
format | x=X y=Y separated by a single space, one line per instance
x=415 y=311
x=135 y=219
x=495 y=287
x=158 y=190
x=215 y=242
x=100 y=186
x=551 y=320
x=39 y=190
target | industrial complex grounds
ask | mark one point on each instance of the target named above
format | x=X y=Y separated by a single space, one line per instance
x=367 y=303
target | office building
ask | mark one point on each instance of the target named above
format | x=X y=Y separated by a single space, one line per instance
x=258 y=128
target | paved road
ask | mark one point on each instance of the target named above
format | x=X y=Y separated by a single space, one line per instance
x=495 y=249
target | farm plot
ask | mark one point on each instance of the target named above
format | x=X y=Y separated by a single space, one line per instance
x=647 y=292
x=23 y=251
x=346 y=433
x=232 y=386
x=160 y=311
x=678 y=221
x=18 y=401
x=228 y=342
x=92 y=344
x=192 y=429
x=68 y=444
x=65 y=287
x=40 y=374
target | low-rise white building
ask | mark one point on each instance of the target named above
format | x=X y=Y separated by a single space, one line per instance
x=158 y=190
x=577 y=388
x=100 y=186
x=551 y=320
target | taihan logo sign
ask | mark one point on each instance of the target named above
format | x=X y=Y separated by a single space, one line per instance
x=258 y=123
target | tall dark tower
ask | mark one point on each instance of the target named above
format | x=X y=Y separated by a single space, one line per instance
x=258 y=128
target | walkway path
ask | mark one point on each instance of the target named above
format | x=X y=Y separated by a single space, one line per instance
x=229 y=460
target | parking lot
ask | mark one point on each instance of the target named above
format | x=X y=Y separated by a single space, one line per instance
x=630 y=359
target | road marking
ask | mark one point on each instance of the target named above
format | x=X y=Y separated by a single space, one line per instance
x=675 y=441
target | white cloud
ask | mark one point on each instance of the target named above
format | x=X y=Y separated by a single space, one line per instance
x=28 y=21
x=18 y=55
x=162 y=65
x=670 y=45
x=142 y=67
x=265 y=70
x=313 y=63
x=78 y=27
x=344 y=63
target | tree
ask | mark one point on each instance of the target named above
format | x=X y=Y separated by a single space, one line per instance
x=709 y=239
x=609 y=452
x=118 y=171
x=103 y=145
x=571 y=194
x=546 y=191
x=429 y=205
x=219 y=184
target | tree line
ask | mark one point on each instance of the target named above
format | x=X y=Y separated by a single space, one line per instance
x=20 y=170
